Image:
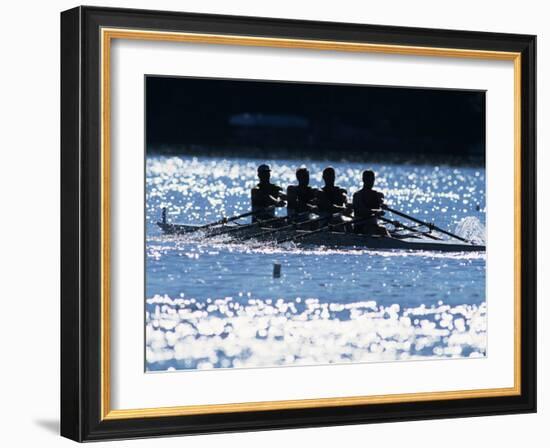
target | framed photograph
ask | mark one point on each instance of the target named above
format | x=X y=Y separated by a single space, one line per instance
x=276 y=224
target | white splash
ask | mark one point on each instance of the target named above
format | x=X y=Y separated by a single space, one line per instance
x=472 y=229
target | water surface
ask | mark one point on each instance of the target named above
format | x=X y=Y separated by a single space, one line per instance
x=210 y=304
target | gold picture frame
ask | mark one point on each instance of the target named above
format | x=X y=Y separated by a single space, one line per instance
x=106 y=29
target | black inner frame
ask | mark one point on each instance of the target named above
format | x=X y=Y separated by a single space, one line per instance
x=81 y=224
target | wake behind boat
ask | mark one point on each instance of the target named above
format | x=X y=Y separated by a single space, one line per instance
x=324 y=238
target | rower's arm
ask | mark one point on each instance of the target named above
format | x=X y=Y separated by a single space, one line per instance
x=280 y=198
x=313 y=204
x=312 y=208
x=339 y=208
x=277 y=202
x=260 y=199
x=380 y=199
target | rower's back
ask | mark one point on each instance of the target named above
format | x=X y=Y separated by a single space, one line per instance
x=367 y=203
x=262 y=197
x=331 y=196
x=265 y=196
x=301 y=198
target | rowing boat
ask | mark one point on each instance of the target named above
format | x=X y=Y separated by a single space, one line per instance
x=329 y=239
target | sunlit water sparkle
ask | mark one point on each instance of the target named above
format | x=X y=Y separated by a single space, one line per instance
x=210 y=304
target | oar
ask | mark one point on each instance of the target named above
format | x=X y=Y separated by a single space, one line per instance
x=398 y=224
x=281 y=229
x=235 y=218
x=221 y=221
x=323 y=229
x=430 y=226
x=225 y=231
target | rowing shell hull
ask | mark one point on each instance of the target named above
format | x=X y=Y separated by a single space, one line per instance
x=340 y=239
x=331 y=239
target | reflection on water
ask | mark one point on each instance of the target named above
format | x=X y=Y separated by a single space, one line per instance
x=186 y=334
x=210 y=304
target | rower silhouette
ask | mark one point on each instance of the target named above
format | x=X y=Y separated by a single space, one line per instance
x=333 y=200
x=265 y=195
x=302 y=199
x=367 y=205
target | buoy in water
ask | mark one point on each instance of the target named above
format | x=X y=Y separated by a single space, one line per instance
x=276 y=270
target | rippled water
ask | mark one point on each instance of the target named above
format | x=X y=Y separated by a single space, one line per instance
x=215 y=305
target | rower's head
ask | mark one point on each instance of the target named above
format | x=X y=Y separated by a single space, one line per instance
x=264 y=173
x=329 y=176
x=368 y=178
x=302 y=174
